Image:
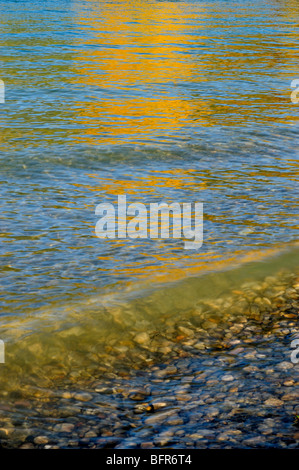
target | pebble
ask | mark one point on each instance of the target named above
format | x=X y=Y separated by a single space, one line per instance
x=285 y=365
x=273 y=402
x=159 y=417
x=142 y=338
x=251 y=369
x=227 y=378
x=83 y=396
x=41 y=440
x=159 y=404
x=174 y=421
x=4 y=433
x=64 y=427
x=212 y=412
x=254 y=441
x=137 y=395
x=291 y=396
x=27 y=445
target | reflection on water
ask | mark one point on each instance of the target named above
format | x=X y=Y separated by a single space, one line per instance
x=146 y=72
x=160 y=101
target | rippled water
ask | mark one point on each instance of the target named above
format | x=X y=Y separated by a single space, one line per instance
x=161 y=101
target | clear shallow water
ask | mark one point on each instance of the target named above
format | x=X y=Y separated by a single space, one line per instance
x=161 y=101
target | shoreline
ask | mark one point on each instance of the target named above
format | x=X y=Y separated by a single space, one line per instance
x=227 y=383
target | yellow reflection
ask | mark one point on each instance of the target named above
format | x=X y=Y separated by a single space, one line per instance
x=133 y=52
x=142 y=55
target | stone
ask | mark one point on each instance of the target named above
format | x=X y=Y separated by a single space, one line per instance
x=64 y=427
x=251 y=369
x=273 y=402
x=159 y=417
x=185 y=331
x=289 y=383
x=142 y=338
x=4 y=432
x=254 y=441
x=41 y=440
x=170 y=370
x=90 y=434
x=212 y=412
x=159 y=404
x=83 y=396
x=227 y=378
x=285 y=365
x=290 y=396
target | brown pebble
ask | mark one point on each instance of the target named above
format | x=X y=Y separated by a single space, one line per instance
x=273 y=402
x=41 y=440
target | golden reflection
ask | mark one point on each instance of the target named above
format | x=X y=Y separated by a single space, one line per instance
x=142 y=57
x=141 y=54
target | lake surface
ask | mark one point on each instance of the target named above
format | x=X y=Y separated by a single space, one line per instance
x=162 y=101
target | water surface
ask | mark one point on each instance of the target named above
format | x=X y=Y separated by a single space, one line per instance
x=162 y=101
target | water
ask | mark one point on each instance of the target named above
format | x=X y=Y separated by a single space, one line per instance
x=161 y=101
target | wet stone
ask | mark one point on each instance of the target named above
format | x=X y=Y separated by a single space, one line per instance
x=273 y=402
x=285 y=365
x=227 y=378
x=64 y=427
x=41 y=440
x=83 y=396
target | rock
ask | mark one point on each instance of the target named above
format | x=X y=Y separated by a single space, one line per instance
x=273 y=402
x=83 y=396
x=227 y=378
x=285 y=365
x=195 y=436
x=142 y=338
x=41 y=440
x=290 y=396
x=254 y=441
x=170 y=370
x=4 y=432
x=175 y=421
x=212 y=412
x=68 y=411
x=251 y=369
x=137 y=395
x=64 y=427
x=158 y=405
x=147 y=445
x=143 y=407
x=289 y=383
x=185 y=331
x=90 y=434
x=227 y=435
x=236 y=351
x=164 y=438
x=159 y=417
